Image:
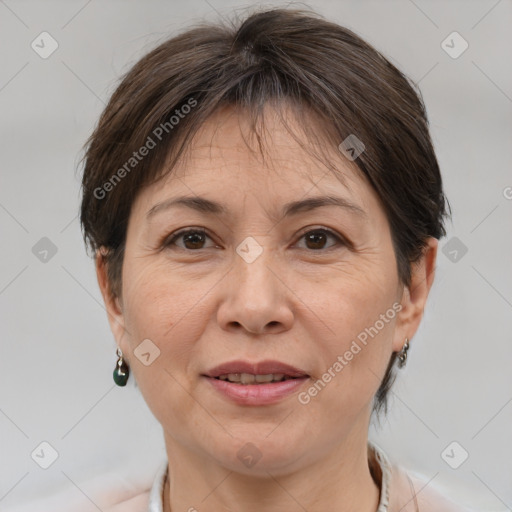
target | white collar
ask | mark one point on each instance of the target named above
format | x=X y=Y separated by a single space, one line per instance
x=156 y=493
x=156 y=497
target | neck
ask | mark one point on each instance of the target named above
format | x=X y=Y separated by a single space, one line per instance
x=342 y=482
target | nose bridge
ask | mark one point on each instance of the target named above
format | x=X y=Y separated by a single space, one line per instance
x=252 y=269
x=254 y=279
x=255 y=299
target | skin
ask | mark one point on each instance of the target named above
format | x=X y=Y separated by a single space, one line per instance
x=299 y=302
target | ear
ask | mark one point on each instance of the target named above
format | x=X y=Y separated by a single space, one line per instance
x=112 y=303
x=415 y=296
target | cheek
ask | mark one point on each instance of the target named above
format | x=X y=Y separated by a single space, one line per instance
x=357 y=310
x=171 y=314
x=350 y=297
x=158 y=299
x=171 y=310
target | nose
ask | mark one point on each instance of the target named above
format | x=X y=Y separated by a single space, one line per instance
x=256 y=297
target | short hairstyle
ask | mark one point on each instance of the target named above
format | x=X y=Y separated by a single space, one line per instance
x=273 y=57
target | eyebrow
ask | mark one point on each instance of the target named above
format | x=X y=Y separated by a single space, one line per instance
x=204 y=205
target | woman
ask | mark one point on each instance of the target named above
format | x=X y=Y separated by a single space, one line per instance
x=264 y=205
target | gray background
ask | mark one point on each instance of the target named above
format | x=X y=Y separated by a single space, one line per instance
x=57 y=352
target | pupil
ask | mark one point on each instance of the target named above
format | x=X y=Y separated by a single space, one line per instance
x=194 y=239
x=317 y=238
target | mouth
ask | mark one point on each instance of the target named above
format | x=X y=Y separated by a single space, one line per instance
x=263 y=372
x=249 y=378
x=263 y=383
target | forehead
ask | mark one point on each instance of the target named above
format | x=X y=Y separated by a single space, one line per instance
x=274 y=163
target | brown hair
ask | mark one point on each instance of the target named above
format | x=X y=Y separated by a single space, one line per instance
x=273 y=57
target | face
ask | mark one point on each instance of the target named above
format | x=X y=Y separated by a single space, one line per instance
x=251 y=279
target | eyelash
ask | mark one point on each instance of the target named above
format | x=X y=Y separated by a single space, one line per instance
x=170 y=240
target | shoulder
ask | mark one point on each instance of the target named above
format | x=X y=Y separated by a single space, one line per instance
x=76 y=501
x=149 y=500
x=409 y=492
x=108 y=493
x=137 y=503
x=404 y=491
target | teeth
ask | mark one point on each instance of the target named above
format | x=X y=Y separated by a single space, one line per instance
x=248 y=378
x=265 y=378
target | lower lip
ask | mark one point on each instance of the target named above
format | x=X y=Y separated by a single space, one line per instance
x=257 y=394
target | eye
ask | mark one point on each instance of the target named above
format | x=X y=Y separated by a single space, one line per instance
x=193 y=239
x=316 y=238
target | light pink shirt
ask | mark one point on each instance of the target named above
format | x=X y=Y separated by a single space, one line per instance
x=400 y=491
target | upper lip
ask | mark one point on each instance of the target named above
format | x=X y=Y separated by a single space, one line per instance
x=259 y=368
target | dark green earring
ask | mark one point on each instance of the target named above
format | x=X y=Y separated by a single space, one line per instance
x=122 y=371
